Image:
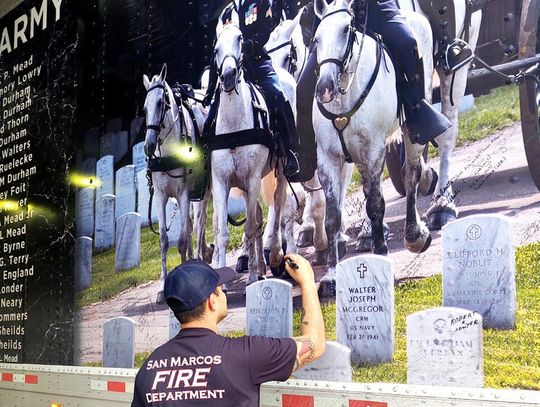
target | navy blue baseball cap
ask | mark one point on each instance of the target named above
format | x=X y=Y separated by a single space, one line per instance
x=192 y=282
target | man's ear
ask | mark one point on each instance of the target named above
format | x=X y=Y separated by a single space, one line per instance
x=211 y=302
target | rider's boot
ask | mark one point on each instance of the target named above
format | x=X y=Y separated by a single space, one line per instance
x=457 y=55
x=287 y=131
x=453 y=53
x=423 y=122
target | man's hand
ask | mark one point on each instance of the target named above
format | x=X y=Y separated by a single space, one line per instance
x=311 y=344
x=299 y=269
x=248 y=48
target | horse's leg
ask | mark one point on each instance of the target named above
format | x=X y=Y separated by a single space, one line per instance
x=306 y=233
x=220 y=191
x=371 y=171
x=252 y=230
x=442 y=209
x=203 y=251
x=417 y=237
x=330 y=170
x=161 y=202
x=259 y=247
x=346 y=175
x=280 y=195
x=185 y=247
x=269 y=232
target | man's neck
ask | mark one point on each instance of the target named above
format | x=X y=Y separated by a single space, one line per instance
x=201 y=323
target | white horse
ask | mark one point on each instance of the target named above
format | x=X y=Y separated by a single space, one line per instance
x=364 y=126
x=443 y=209
x=166 y=125
x=243 y=166
x=287 y=50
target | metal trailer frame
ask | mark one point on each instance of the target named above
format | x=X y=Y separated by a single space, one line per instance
x=72 y=386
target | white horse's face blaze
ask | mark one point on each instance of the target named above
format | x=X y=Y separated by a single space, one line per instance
x=154 y=106
x=331 y=39
x=228 y=55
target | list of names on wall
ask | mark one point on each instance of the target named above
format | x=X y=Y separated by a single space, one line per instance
x=17 y=167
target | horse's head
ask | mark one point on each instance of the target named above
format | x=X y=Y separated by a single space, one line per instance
x=281 y=45
x=155 y=108
x=334 y=39
x=228 y=56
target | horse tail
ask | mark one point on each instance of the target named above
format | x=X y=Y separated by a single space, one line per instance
x=268 y=188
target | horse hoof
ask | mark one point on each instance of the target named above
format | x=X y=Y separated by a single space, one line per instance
x=261 y=278
x=432 y=186
x=280 y=270
x=436 y=220
x=305 y=238
x=363 y=245
x=327 y=288
x=242 y=264
x=320 y=258
x=160 y=299
x=420 y=245
x=341 y=248
x=380 y=249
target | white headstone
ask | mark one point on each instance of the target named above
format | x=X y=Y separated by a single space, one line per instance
x=91 y=143
x=365 y=308
x=114 y=124
x=106 y=144
x=173 y=221
x=174 y=325
x=134 y=129
x=128 y=241
x=479 y=268
x=334 y=365
x=143 y=198
x=444 y=348
x=119 y=343
x=84 y=212
x=269 y=308
x=139 y=157
x=105 y=176
x=105 y=221
x=121 y=146
x=83 y=263
x=125 y=190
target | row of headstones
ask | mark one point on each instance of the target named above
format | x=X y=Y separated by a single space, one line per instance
x=444 y=344
x=114 y=142
x=127 y=249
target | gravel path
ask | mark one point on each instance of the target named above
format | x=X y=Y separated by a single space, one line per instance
x=491 y=176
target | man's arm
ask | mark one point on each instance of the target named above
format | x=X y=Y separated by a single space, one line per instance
x=311 y=344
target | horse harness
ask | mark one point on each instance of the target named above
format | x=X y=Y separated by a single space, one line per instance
x=257 y=135
x=292 y=58
x=341 y=121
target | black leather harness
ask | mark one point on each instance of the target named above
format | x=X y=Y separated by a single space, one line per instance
x=341 y=121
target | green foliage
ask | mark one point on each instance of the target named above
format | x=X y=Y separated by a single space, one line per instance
x=491 y=113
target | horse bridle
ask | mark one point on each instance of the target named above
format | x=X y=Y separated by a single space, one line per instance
x=238 y=66
x=165 y=106
x=293 y=56
x=341 y=63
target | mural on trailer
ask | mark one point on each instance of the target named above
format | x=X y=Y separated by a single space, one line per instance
x=132 y=139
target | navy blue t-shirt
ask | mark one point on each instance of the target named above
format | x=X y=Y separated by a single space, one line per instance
x=201 y=368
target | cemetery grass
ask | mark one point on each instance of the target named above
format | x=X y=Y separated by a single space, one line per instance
x=511 y=358
x=106 y=282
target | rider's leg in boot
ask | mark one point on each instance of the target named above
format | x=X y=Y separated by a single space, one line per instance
x=280 y=109
x=422 y=121
x=305 y=90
